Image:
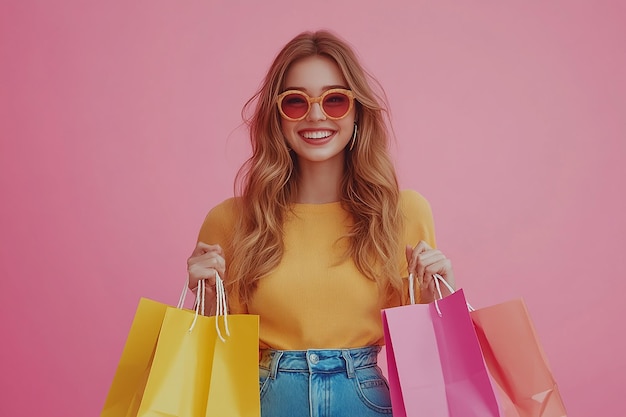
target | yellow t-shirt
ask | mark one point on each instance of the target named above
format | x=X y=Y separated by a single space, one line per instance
x=310 y=301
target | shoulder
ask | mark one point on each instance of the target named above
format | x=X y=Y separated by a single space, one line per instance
x=220 y=221
x=225 y=209
x=413 y=203
x=418 y=217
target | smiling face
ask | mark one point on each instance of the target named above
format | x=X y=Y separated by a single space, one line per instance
x=316 y=138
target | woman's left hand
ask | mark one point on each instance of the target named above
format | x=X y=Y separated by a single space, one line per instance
x=424 y=262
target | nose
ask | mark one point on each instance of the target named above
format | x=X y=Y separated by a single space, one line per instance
x=316 y=113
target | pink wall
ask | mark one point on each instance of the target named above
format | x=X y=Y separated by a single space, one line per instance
x=119 y=128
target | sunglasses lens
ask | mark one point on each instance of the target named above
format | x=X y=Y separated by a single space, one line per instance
x=294 y=105
x=336 y=104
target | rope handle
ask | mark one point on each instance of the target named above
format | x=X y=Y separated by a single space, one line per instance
x=438 y=279
x=221 y=304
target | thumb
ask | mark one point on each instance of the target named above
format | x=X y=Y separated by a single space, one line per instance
x=200 y=249
x=409 y=257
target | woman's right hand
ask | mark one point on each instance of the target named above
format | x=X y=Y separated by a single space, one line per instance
x=203 y=263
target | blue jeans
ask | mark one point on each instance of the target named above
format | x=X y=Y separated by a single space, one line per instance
x=323 y=383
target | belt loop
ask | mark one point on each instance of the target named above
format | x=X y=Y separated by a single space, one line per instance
x=276 y=355
x=349 y=362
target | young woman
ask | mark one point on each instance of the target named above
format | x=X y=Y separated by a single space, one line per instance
x=320 y=239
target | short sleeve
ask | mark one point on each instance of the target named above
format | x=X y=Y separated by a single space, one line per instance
x=418 y=218
x=217 y=228
x=418 y=226
x=218 y=225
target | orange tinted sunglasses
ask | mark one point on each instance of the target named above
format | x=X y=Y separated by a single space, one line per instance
x=295 y=105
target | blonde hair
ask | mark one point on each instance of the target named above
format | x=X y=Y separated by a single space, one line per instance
x=268 y=180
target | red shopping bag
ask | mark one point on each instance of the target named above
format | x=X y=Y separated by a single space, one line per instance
x=517 y=361
x=435 y=365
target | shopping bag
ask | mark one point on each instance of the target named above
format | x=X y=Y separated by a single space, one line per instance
x=196 y=374
x=435 y=365
x=198 y=366
x=516 y=360
x=132 y=372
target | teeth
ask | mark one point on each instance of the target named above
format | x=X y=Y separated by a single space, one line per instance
x=320 y=134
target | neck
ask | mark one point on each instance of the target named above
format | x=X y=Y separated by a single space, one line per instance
x=320 y=183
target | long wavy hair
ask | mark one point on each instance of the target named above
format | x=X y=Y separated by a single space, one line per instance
x=267 y=183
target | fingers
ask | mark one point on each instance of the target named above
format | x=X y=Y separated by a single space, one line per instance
x=424 y=262
x=442 y=267
x=205 y=266
x=204 y=263
x=428 y=264
x=415 y=258
x=202 y=248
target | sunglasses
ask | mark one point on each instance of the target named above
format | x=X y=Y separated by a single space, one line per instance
x=295 y=105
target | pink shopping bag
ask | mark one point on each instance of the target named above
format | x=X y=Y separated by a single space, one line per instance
x=516 y=360
x=435 y=365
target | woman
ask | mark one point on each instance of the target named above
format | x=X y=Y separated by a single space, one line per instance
x=321 y=237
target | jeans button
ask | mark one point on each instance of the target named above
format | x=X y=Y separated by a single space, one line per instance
x=314 y=358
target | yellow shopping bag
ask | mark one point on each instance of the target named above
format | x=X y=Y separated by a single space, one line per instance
x=197 y=366
x=132 y=372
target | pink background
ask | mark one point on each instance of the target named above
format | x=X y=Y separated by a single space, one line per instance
x=120 y=128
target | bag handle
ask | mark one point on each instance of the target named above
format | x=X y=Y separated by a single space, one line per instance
x=221 y=304
x=438 y=279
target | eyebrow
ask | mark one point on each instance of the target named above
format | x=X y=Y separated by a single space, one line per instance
x=324 y=88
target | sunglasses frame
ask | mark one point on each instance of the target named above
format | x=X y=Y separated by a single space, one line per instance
x=311 y=100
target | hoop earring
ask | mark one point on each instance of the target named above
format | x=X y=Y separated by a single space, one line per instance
x=354 y=133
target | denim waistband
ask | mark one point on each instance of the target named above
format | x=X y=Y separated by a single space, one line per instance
x=318 y=360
